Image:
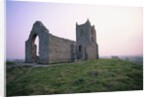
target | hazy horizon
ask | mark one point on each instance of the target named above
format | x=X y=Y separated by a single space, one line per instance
x=119 y=29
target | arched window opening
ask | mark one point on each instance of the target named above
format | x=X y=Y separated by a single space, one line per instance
x=81 y=31
x=37 y=45
x=92 y=39
x=80 y=48
x=35 y=48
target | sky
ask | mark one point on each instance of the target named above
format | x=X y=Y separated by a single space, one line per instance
x=119 y=29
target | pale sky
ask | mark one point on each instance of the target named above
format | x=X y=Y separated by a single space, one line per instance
x=119 y=29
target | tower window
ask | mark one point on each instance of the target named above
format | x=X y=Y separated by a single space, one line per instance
x=92 y=39
x=81 y=31
x=80 y=48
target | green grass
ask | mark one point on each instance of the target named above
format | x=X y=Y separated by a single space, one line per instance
x=10 y=63
x=87 y=76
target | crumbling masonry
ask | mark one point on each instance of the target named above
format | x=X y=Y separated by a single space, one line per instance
x=53 y=49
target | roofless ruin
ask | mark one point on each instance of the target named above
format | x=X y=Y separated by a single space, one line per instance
x=53 y=49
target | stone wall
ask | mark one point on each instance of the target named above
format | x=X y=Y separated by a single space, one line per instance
x=61 y=50
x=86 y=41
x=91 y=51
x=38 y=30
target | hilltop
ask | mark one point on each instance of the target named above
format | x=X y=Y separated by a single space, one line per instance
x=99 y=75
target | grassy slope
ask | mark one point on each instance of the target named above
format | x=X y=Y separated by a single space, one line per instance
x=87 y=76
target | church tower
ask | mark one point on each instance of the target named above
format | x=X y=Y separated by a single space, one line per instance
x=87 y=47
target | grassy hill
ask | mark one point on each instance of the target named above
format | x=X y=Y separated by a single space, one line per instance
x=87 y=76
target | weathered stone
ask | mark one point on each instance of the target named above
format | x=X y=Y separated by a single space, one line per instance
x=53 y=49
x=86 y=41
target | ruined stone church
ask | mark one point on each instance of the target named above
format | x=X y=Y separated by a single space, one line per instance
x=53 y=49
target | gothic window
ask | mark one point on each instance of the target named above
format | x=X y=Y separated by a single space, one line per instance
x=92 y=39
x=92 y=35
x=80 y=48
x=81 y=31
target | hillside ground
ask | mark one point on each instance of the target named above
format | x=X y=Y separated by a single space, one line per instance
x=99 y=75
